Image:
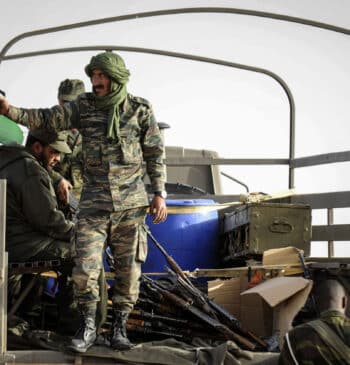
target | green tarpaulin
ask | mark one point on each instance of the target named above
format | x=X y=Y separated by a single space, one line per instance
x=10 y=132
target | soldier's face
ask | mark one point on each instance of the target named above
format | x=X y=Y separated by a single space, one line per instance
x=101 y=83
x=49 y=157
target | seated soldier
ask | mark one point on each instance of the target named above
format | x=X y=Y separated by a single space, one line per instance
x=35 y=228
x=325 y=340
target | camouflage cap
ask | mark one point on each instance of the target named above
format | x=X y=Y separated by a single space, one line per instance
x=70 y=89
x=58 y=141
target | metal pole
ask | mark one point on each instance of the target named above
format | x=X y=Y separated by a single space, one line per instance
x=330 y=221
x=3 y=271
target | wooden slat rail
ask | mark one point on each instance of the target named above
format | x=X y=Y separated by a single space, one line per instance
x=330 y=232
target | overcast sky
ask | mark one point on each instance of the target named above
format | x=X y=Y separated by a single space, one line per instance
x=234 y=112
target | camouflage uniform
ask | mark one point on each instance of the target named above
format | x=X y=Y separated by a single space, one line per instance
x=310 y=349
x=71 y=165
x=113 y=192
x=35 y=229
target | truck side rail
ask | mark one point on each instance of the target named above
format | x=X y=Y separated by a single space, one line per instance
x=3 y=271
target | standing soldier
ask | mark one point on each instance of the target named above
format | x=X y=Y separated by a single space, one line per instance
x=119 y=133
x=71 y=165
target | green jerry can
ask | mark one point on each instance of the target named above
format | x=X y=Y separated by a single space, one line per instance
x=255 y=227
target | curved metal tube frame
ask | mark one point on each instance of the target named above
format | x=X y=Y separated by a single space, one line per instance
x=179 y=55
x=148 y=14
x=277 y=78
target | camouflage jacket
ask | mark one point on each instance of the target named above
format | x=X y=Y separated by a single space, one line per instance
x=309 y=348
x=32 y=219
x=71 y=165
x=113 y=171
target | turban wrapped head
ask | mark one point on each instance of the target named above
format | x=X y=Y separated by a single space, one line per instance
x=114 y=67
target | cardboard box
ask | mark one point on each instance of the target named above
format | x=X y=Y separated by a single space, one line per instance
x=270 y=307
x=284 y=256
x=226 y=293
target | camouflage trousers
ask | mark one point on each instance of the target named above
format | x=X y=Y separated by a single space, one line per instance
x=124 y=233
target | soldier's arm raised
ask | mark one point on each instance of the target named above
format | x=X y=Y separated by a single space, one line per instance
x=55 y=118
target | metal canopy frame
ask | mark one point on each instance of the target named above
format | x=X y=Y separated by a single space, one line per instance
x=196 y=10
x=192 y=57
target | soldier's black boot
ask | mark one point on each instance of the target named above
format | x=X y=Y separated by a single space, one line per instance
x=86 y=335
x=119 y=339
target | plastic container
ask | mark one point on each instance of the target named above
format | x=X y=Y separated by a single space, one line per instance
x=189 y=235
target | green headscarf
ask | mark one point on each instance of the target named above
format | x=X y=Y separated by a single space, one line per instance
x=114 y=67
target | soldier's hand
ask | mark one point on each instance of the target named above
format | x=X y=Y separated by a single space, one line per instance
x=158 y=208
x=63 y=190
x=4 y=105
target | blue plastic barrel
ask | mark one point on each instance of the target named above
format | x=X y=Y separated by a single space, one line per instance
x=189 y=235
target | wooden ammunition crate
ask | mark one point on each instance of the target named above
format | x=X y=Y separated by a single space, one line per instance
x=256 y=227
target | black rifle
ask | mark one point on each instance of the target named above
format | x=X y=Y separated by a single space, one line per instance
x=157 y=317
x=183 y=304
x=186 y=333
x=307 y=275
x=145 y=330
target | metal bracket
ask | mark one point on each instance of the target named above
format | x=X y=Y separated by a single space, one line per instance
x=7 y=358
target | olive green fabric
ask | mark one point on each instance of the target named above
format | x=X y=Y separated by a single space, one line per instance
x=164 y=352
x=114 y=67
x=309 y=348
x=58 y=141
x=33 y=222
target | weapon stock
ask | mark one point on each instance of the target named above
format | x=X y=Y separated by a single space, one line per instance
x=173 y=264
